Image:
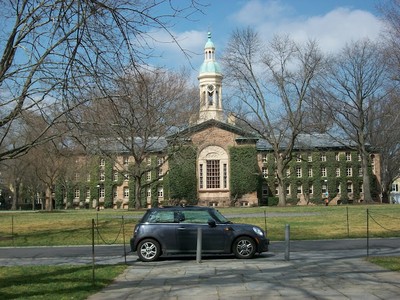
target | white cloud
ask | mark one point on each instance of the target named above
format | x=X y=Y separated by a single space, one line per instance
x=332 y=30
x=336 y=28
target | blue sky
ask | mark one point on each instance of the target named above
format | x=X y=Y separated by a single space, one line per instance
x=331 y=22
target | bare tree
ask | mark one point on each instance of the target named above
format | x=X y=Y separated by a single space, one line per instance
x=54 y=52
x=385 y=136
x=390 y=10
x=353 y=86
x=133 y=118
x=271 y=83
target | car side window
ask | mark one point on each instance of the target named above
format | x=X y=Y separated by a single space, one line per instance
x=197 y=216
x=161 y=217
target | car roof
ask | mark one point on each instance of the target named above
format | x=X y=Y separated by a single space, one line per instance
x=187 y=207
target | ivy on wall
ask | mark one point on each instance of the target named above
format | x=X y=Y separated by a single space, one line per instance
x=316 y=180
x=182 y=181
x=244 y=170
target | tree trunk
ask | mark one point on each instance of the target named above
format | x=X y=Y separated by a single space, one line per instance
x=138 y=192
x=281 y=183
x=366 y=179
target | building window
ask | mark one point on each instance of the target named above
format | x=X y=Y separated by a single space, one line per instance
x=309 y=158
x=87 y=193
x=264 y=172
x=102 y=176
x=126 y=176
x=395 y=187
x=299 y=189
x=126 y=160
x=359 y=157
x=225 y=176
x=337 y=172
x=160 y=192
x=360 y=172
x=288 y=189
x=310 y=172
x=323 y=157
x=348 y=156
x=88 y=178
x=264 y=158
x=148 y=193
x=349 y=172
x=213 y=165
x=115 y=176
x=298 y=172
x=102 y=192
x=324 y=187
x=323 y=171
x=148 y=161
x=102 y=162
x=298 y=158
x=337 y=156
x=126 y=192
x=349 y=187
x=160 y=173
x=77 y=194
x=201 y=175
x=213 y=174
x=265 y=191
x=288 y=172
x=373 y=163
x=148 y=177
x=311 y=189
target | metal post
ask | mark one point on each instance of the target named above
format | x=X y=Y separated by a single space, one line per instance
x=348 y=228
x=199 y=245
x=123 y=235
x=367 y=233
x=12 y=230
x=93 y=261
x=287 y=242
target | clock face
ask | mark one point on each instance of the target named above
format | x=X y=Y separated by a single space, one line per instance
x=210 y=88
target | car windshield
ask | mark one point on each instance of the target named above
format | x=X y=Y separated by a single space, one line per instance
x=220 y=217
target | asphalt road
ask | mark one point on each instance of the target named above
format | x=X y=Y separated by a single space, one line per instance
x=119 y=253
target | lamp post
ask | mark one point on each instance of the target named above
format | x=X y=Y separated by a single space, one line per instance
x=326 y=193
x=98 y=197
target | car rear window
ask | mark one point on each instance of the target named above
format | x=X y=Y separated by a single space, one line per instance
x=160 y=217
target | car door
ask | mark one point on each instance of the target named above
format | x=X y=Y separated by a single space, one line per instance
x=213 y=237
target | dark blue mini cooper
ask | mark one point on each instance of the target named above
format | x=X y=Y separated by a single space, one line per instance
x=173 y=230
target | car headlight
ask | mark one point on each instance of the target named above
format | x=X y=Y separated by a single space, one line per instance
x=258 y=231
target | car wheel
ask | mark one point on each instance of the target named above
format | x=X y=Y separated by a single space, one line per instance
x=244 y=247
x=148 y=250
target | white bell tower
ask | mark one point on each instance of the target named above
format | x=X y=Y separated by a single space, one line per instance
x=210 y=84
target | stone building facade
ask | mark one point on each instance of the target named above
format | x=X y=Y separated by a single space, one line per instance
x=323 y=169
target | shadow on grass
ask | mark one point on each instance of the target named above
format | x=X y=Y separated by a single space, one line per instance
x=55 y=282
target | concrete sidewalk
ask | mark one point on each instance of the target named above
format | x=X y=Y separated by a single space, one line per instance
x=307 y=275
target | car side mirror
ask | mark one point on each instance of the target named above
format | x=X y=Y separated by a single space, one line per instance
x=212 y=223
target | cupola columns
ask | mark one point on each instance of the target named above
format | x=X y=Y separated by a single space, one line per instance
x=210 y=85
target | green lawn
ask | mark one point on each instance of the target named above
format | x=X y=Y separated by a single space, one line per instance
x=390 y=263
x=55 y=282
x=74 y=227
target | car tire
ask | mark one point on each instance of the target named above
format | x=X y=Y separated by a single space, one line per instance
x=244 y=247
x=149 y=250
